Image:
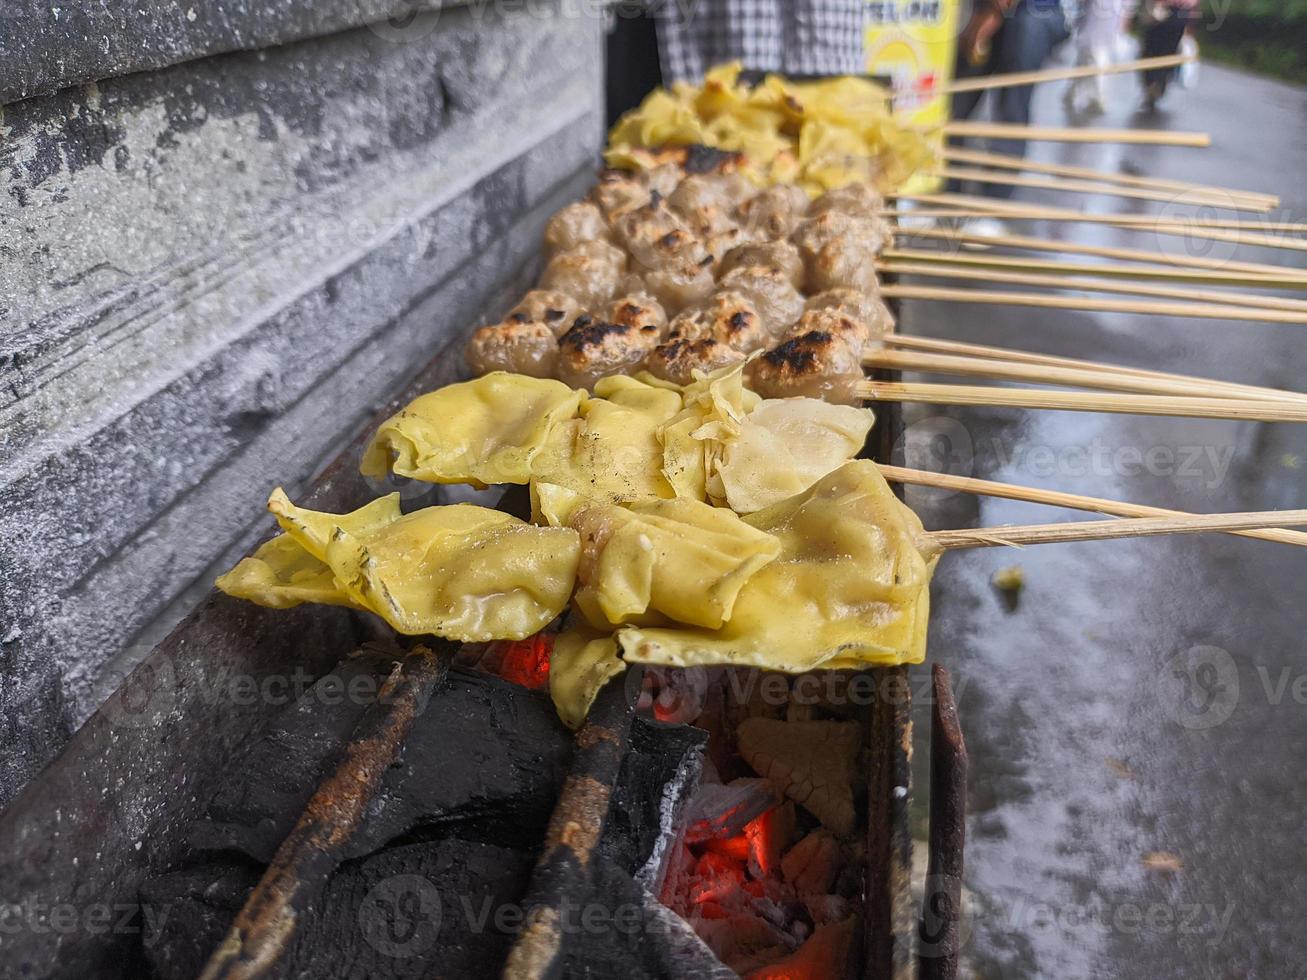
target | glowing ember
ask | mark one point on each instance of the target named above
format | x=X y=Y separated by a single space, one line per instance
x=526 y=662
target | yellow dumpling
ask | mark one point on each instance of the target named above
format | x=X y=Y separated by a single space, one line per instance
x=611 y=451
x=480 y=432
x=784 y=446
x=680 y=559
x=850 y=587
x=693 y=440
x=291 y=568
x=461 y=572
x=281 y=575
x=582 y=662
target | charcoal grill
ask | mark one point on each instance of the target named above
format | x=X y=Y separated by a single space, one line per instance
x=231 y=836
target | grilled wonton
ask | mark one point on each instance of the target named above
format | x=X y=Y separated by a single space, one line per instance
x=479 y=432
x=611 y=451
x=582 y=662
x=680 y=559
x=461 y=572
x=784 y=446
x=850 y=588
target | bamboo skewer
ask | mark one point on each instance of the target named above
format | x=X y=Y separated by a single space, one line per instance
x=994 y=297
x=1029 y=243
x=1147 y=137
x=1237 y=232
x=1057 y=498
x=1009 y=79
x=1179 y=187
x=1071 y=186
x=1083 y=401
x=980 y=367
x=1134 y=527
x=940 y=271
x=1108 y=270
x=1229 y=389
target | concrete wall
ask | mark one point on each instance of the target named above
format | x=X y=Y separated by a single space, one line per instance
x=212 y=273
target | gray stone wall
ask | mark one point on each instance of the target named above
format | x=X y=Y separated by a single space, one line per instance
x=212 y=273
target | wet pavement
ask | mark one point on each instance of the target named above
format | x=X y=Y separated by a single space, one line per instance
x=1137 y=725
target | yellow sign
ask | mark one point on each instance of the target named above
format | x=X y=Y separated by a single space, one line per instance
x=913 y=43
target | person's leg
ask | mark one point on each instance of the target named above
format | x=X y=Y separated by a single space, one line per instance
x=964 y=104
x=1024 y=44
x=1160 y=39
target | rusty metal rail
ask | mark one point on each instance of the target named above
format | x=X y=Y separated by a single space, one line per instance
x=562 y=872
x=266 y=925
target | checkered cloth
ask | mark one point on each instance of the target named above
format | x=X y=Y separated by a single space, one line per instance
x=795 y=37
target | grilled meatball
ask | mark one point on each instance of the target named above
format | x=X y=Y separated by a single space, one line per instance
x=663 y=179
x=776 y=255
x=579 y=222
x=813 y=364
x=816 y=232
x=844 y=262
x=840 y=326
x=722 y=243
x=590 y=273
x=775 y=212
x=870 y=309
x=658 y=238
x=558 y=310
x=619 y=192
x=727 y=317
x=857 y=199
x=681 y=286
x=707 y=202
x=638 y=309
x=771 y=293
x=593 y=349
x=677 y=360
x=521 y=347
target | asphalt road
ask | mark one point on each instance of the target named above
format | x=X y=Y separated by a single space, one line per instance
x=1137 y=725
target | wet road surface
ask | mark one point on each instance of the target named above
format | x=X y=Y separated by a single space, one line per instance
x=1138 y=724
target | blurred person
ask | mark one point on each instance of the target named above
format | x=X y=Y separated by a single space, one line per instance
x=798 y=38
x=1005 y=36
x=1164 y=25
x=1099 y=34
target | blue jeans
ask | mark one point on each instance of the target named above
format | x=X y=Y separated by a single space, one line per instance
x=1028 y=36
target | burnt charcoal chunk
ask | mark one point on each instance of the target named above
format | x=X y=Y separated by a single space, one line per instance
x=483 y=748
x=663 y=756
x=441 y=908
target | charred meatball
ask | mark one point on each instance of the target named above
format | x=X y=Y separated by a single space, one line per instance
x=638 y=309
x=707 y=202
x=727 y=317
x=812 y=365
x=518 y=346
x=556 y=309
x=574 y=224
x=593 y=349
x=775 y=255
x=870 y=309
x=771 y=293
x=840 y=326
x=677 y=360
x=658 y=238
